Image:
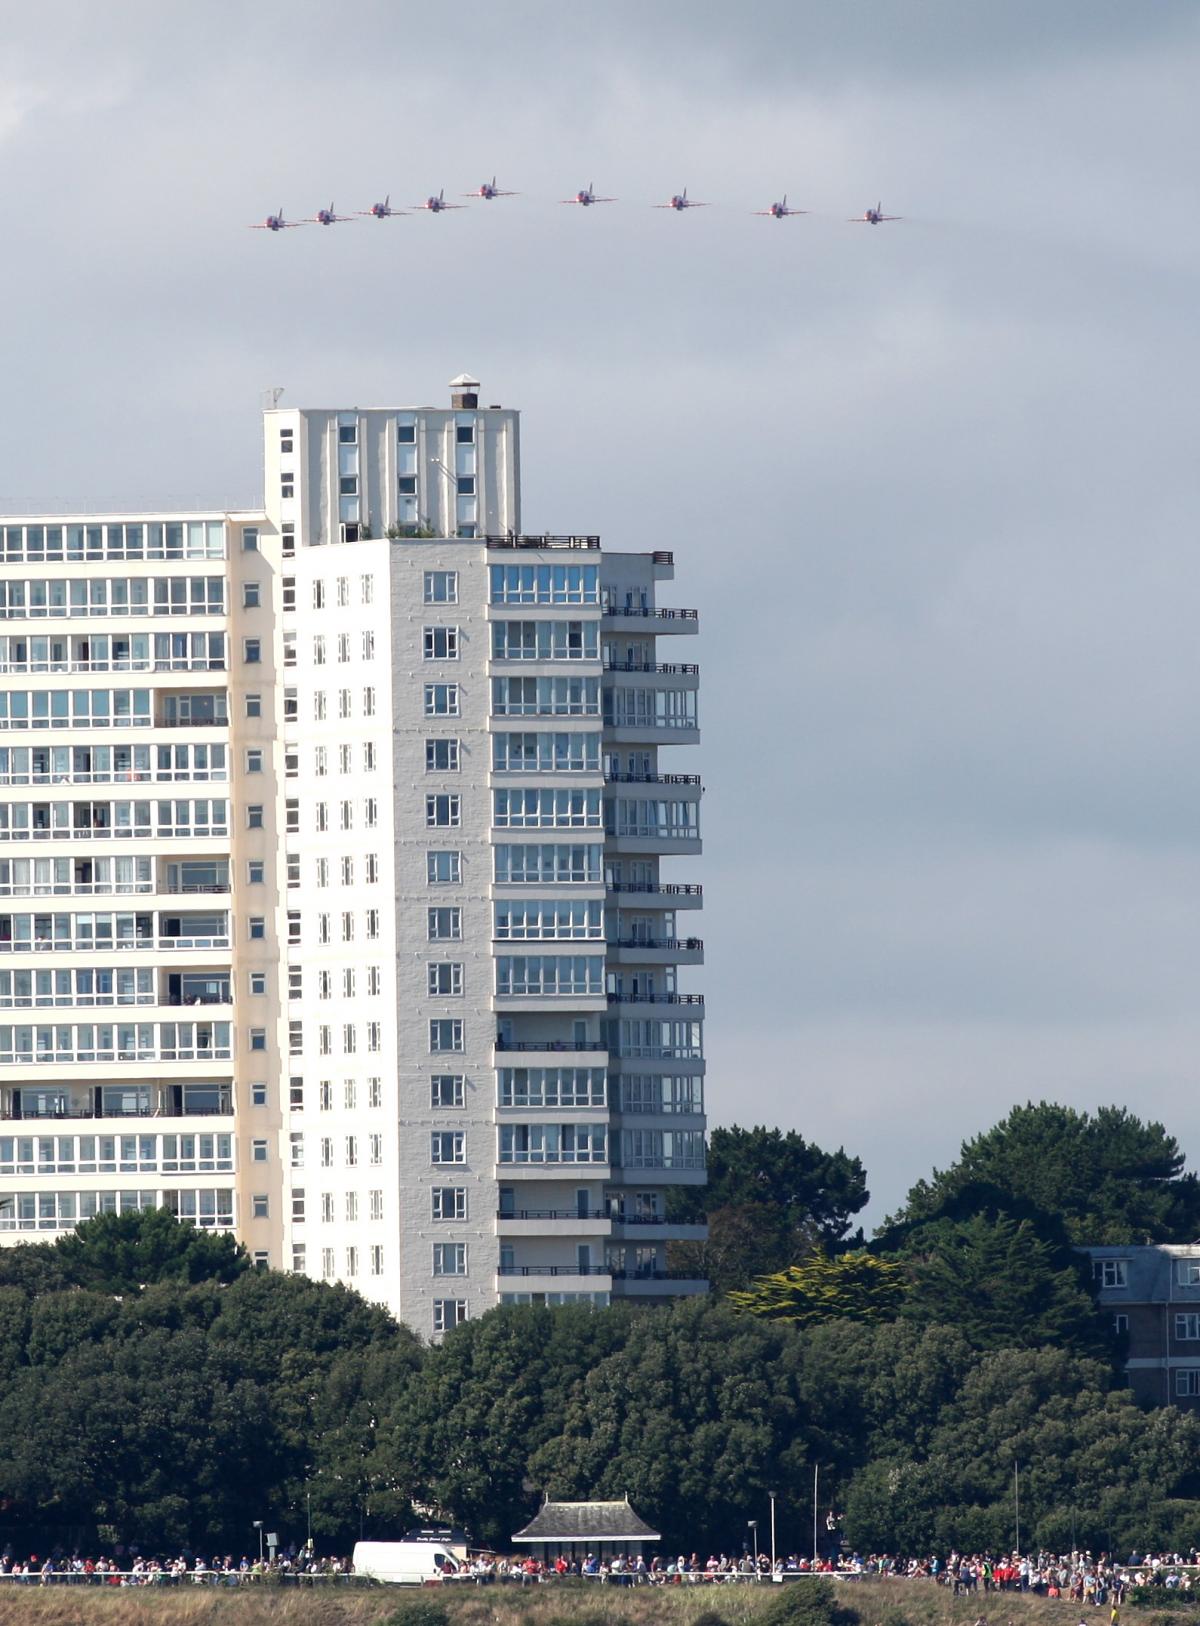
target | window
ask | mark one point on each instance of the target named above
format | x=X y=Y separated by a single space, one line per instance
x=351 y=1259
x=318 y=649
x=1111 y=1272
x=441 y=756
x=321 y=816
x=327 y=1208
x=441 y=700
x=374 y=1037
x=1187 y=1327
x=441 y=643
x=291 y=814
x=252 y=651
x=288 y=538
x=367 y=589
x=258 y=1151
x=448 y=1146
x=445 y=1035
x=292 y=860
x=347 y=926
x=296 y=1093
x=376 y=1201
x=464 y=434
x=368 y=645
x=260 y=1206
x=406 y=433
x=1187 y=1272
x=254 y=761
x=449 y=1202
x=295 y=982
x=326 y=1151
x=299 y=1258
x=450 y=1313
x=251 y=599
x=441 y=587
x=369 y=705
x=327 y=1264
x=368 y=756
x=295 y=1038
x=343 y=647
x=372 y=924
x=376 y=1259
x=320 y=761
x=324 y=984
x=348 y=485
x=449 y=1259
x=287 y=484
x=375 y=1149
x=347 y=870
x=446 y=1090
x=445 y=924
x=374 y=1092
x=258 y=928
x=255 y=871
x=443 y=868
x=466 y=485
x=345 y=759
x=258 y=982
x=288 y=593
x=250 y=539
x=320 y=707
x=258 y=1038
x=296 y=1140
x=297 y=1205
x=370 y=813
x=351 y=1207
x=254 y=816
x=407 y=485
x=347 y=434
x=443 y=812
x=258 y=1095
x=346 y=816
x=325 y=1094
x=444 y=977
x=254 y=705
x=1187 y=1380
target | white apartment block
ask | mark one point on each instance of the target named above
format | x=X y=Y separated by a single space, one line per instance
x=332 y=908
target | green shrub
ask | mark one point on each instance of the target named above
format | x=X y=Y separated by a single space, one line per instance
x=810 y=1602
x=418 y=1611
x=709 y=1617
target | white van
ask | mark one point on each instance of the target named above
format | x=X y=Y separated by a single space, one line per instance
x=412 y=1562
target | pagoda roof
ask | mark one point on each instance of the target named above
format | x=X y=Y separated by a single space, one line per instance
x=587 y=1521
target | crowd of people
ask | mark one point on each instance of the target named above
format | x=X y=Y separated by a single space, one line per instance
x=128 y=1567
x=1093 y=1581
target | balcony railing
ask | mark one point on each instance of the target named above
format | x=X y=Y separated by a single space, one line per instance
x=191 y=722
x=586 y=543
x=553 y=1270
x=598 y=1045
x=638 y=1275
x=647 y=610
x=693 y=945
x=670 y=669
x=656 y=999
x=551 y=1214
x=652 y=778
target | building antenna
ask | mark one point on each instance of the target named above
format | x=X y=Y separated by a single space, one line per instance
x=270 y=398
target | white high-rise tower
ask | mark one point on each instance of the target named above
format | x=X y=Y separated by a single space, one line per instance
x=358 y=798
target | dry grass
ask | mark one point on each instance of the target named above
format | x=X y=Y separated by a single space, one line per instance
x=880 y=1603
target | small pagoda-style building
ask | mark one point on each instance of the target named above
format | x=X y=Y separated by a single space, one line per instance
x=583 y=1529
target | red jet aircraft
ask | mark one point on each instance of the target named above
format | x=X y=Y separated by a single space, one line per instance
x=436 y=205
x=488 y=191
x=587 y=197
x=874 y=217
x=779 y=211
x=275 y=222
x=326 y=217
x=681 y=201
x=381 y=211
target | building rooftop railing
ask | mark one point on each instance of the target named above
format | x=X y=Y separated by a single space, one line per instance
x=588 y=543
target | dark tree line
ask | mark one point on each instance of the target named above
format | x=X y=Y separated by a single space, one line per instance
x=153 y=1388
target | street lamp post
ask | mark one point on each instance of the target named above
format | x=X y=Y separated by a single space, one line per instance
x=1017 y=1502
x=752 y=1524
x=258 y=1525
x=771 y=1494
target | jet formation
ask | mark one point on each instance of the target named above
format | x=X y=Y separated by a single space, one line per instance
x=488 y=191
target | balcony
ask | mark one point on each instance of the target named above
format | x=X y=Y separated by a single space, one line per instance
x=657 y=951
x=649 y=620
x=575 y=1269
x=654 y=895
x=684 y=779
x=659 y=1284
x=695 y=1002
x=552 y=1047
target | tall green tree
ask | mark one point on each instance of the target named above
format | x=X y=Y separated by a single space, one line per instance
x=1107 y=1177
x=122 y=1253
x=771 y=1197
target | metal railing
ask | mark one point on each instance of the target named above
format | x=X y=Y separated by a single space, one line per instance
x=657 y=611
x=671 y=668
x=553 y=1270
x=652 y=778
x=656 y=999
x=644 y=888
x=693 y=945
x=597 y=1045
x=586 y=543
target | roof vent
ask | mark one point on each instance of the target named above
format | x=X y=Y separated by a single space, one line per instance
x=464 y=391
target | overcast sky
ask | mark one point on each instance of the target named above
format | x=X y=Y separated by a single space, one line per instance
x=933 y=487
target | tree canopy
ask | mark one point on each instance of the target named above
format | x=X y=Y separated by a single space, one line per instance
x=1106 y=1177
x=854 y=1286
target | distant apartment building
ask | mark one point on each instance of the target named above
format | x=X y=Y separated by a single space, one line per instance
x=335 y=903
x=1153 y=1295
